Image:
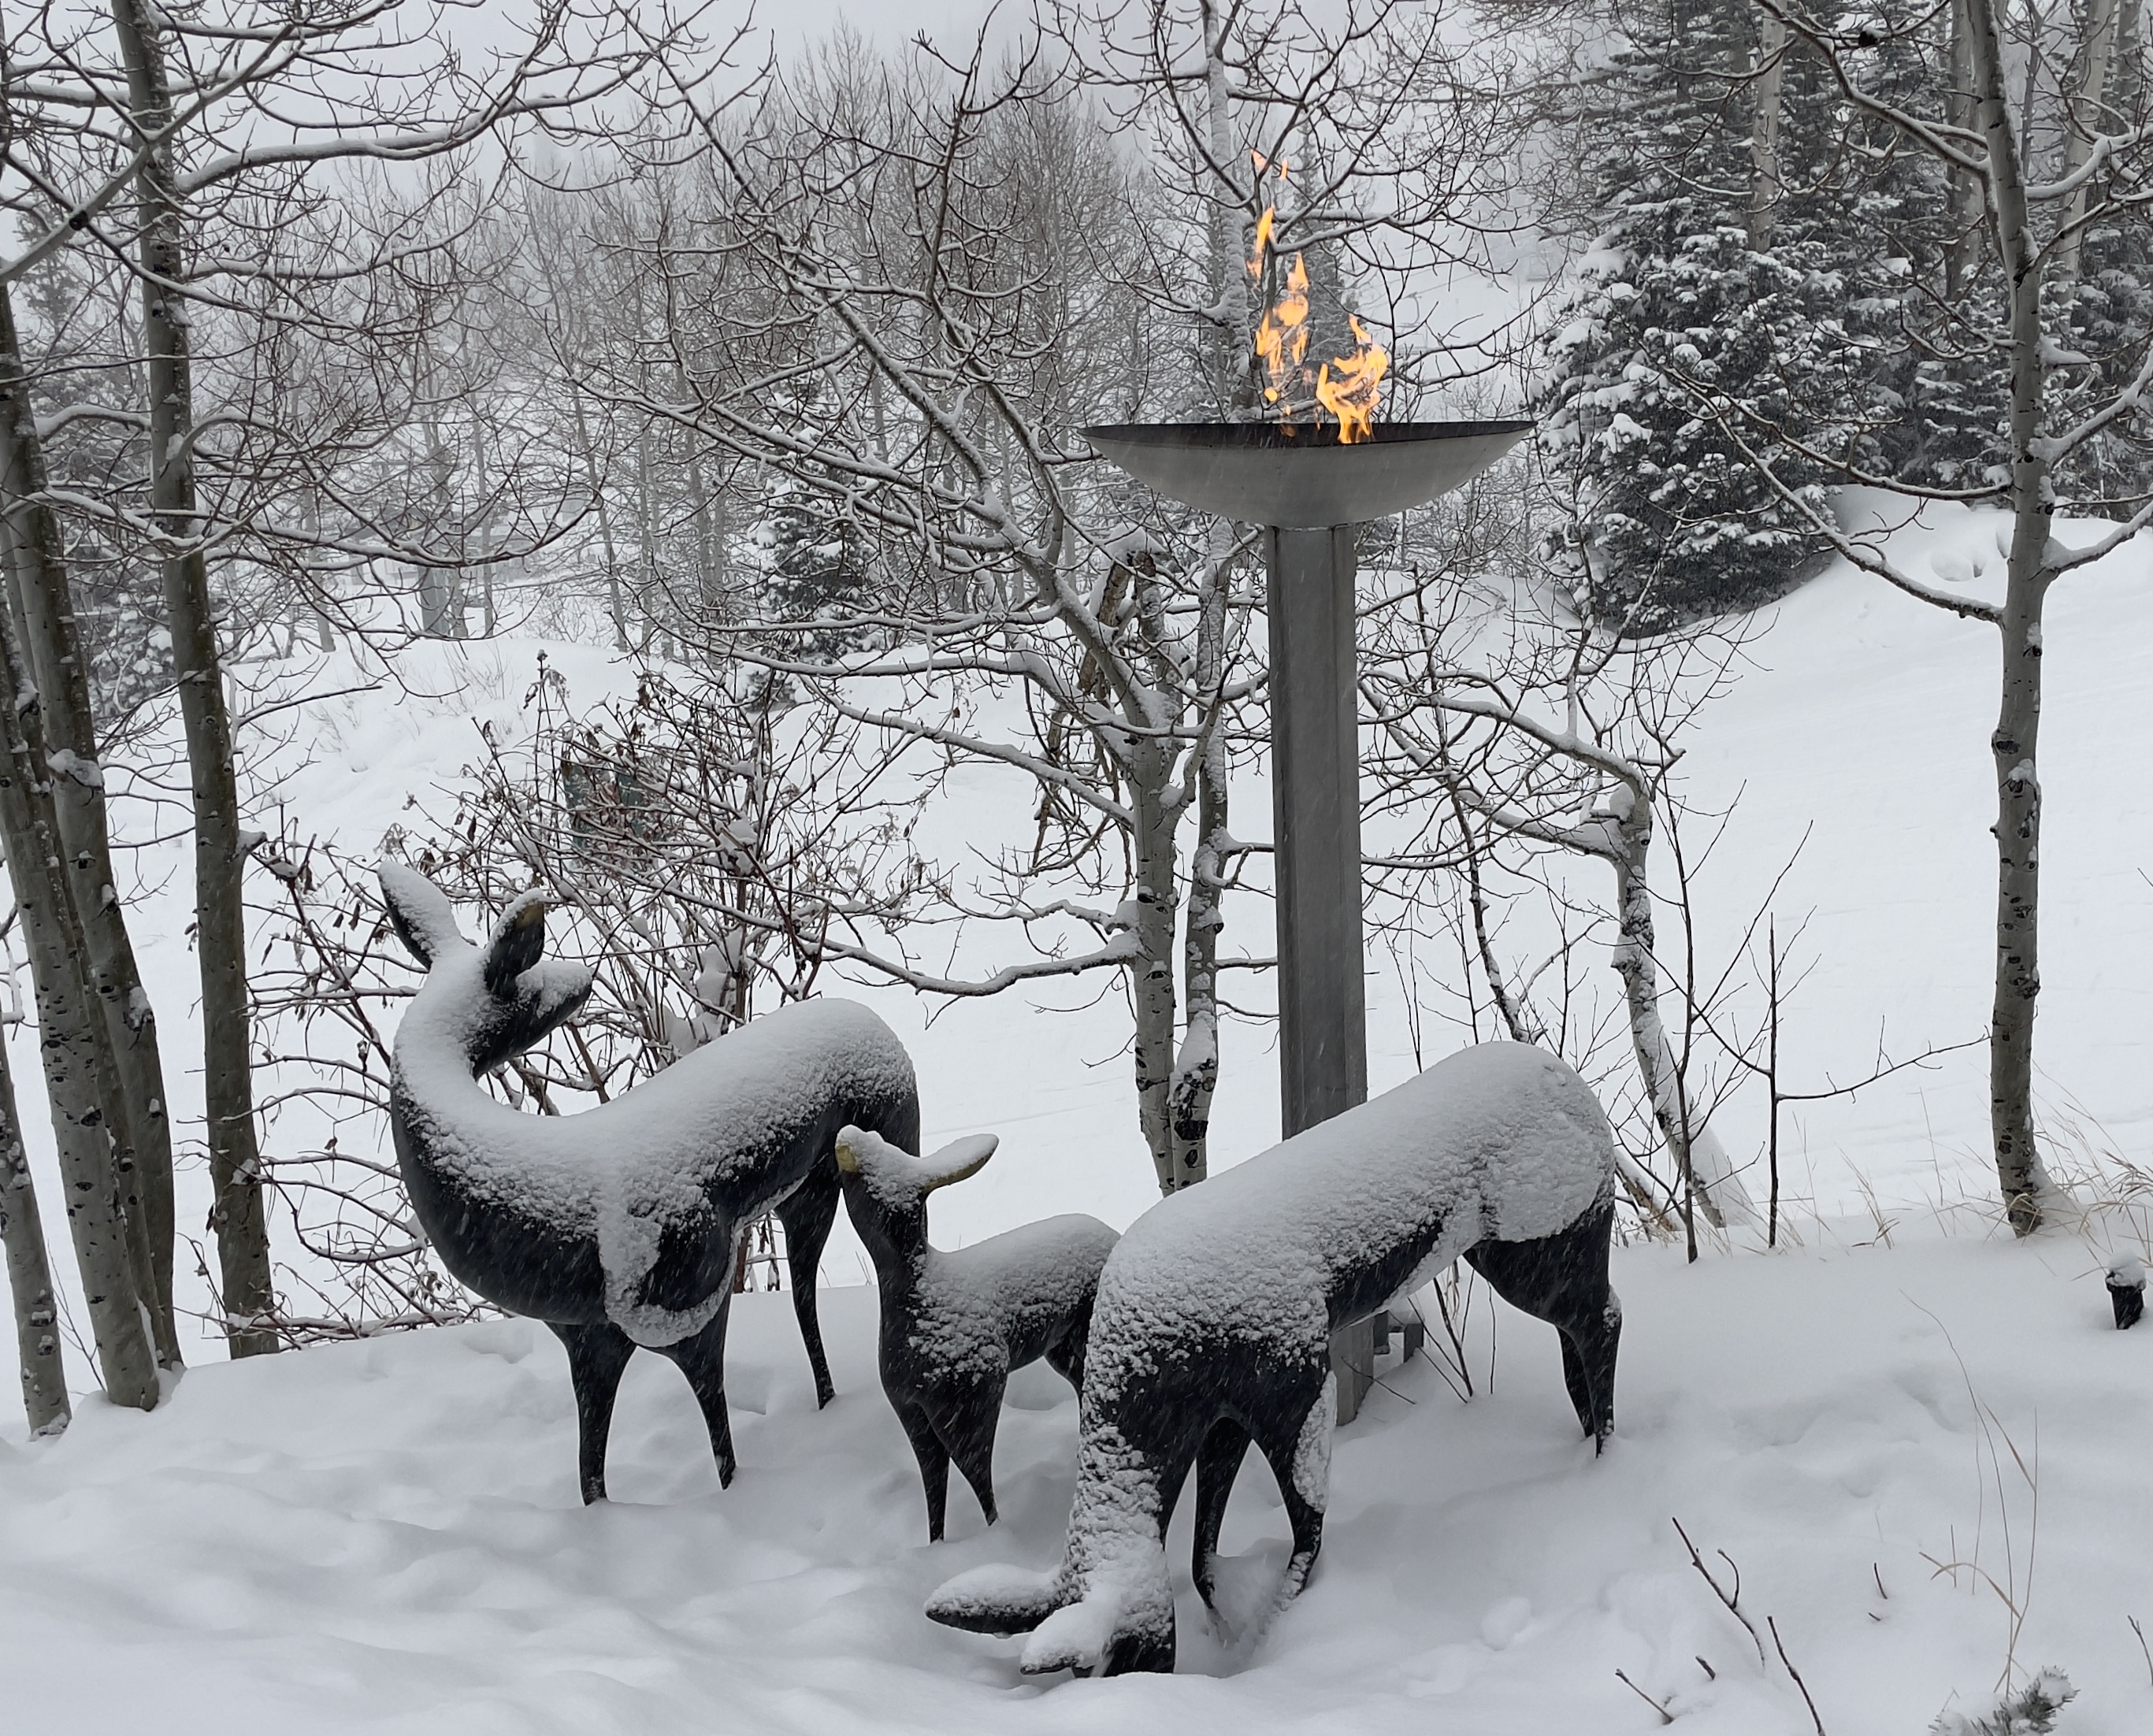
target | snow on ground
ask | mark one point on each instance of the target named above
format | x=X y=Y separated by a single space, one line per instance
x=1865 y=722
x=384 y=1536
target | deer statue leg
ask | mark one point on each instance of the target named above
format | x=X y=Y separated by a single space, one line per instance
x=1218 y=1463
x=702 y=1358
x=598 y=1356
x=970 y=1430
x=807 y=1214
x=933 y=1465
x=1296 y=1441
x=1562 y=1279
x=1066 y=1355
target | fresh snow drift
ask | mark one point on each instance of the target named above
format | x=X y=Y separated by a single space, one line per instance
x=376 y=1538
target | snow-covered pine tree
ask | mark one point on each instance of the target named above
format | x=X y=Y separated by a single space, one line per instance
x=2108 y=317
x=1924 y=304
x=1683 y=343
x=813 y=569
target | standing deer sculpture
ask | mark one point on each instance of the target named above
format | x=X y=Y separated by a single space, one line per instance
x=1214 y=1311
x=955 y=1324
x=620 y=1226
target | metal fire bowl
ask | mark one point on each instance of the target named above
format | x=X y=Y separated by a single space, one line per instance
x=1299 y=477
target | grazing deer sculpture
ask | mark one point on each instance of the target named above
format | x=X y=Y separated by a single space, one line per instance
x=620 y=1226
x=954 y=1325
x=1213 y=1316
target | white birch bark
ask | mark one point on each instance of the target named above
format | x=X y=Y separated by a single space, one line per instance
x=1697 y=1150
x=2088 y=111
x=237 y=1211
x=1764 y=179
x=41 y=602
x=2015 y=743
x=68 y=1046
x=1196 y=1066
x=29 y=1274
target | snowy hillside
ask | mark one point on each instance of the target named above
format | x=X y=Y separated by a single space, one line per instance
x=385 y=1537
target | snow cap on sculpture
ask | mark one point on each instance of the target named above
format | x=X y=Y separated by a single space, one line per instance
x=504 y=996
x=896 y=1176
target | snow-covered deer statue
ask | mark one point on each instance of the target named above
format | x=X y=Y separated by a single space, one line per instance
x=620 y=1226
x=1213 y=1323
x=954 y=1325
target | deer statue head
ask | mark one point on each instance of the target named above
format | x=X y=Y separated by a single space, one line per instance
x=887 y=1188
x=495 y=1000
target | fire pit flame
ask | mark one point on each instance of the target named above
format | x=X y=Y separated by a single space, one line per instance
x=1353 y=393
x=1349 y=387
x=1282 y=339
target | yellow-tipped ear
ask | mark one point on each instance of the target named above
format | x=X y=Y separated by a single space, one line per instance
x=531 y=914
x=848 y=1160
x=960 y=1158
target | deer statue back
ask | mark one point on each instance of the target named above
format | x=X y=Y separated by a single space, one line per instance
x=1212 y=1328
x=620 y=1225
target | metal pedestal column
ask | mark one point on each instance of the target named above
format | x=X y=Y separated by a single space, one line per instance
x=1315 y=815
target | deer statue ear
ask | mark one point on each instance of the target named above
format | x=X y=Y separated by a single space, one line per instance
x=420 y=911
x=958 y=1159
x=519 y=939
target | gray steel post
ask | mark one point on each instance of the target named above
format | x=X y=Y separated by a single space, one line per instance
x=1315 y=818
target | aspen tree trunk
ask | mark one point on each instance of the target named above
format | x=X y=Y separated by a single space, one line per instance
x=1196 y=1067
x=2129 y=56
x=69 y=1047
x=1764 y=131
x=490 y=615
x=42 y=601
x=29 y=1274
x=605 y=523
x=2088 y=106
x=1150 y=977
x=1155 y=806
x=1967 y=201
x=439 y=615
x=707 y=583
x=1232 y=345
x=1698 y=1155
x=237 y=1213
x=2015 y=743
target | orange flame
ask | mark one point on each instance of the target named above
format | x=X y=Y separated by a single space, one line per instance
x=1282 y=339
x=1354 y=392
x=1350 y=387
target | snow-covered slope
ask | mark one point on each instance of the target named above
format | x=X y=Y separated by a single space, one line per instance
x=386 y=1537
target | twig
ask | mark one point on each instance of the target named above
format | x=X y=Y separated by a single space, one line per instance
x=1666 y=1716
x=1796 y=1674
x=2140 y=1633
x=1702 y=1665
x=1731 y=1600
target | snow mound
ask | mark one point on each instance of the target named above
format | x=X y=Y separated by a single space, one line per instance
x=386 y=1537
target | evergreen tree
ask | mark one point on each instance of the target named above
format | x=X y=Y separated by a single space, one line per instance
x=1684 y=345
x=813 y=570
x=2109 y=318
x=814 y=567
x=1927 y=304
